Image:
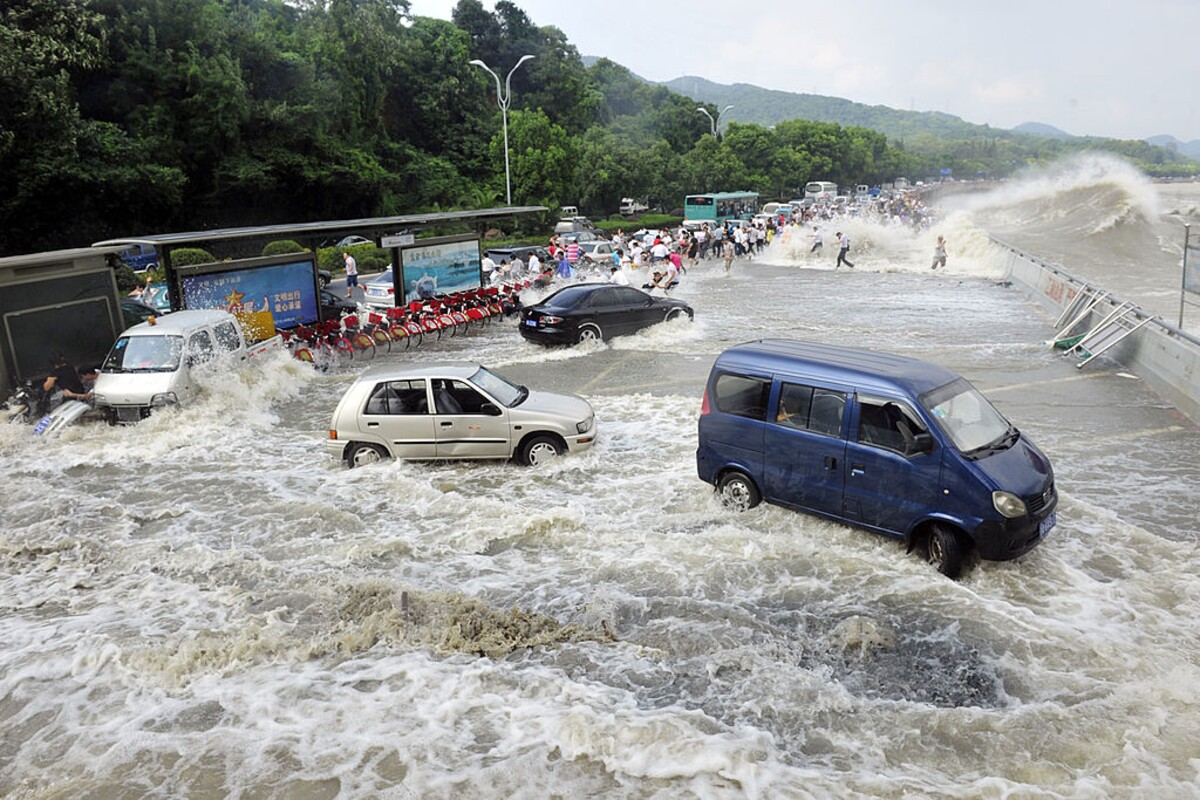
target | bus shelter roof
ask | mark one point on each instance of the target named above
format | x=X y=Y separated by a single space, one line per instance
x=374 y=226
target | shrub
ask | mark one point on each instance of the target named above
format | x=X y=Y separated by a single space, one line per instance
x=282 y=246
x=186 y=256
x=368 y=257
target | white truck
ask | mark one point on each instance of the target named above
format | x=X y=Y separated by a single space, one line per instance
x=630 y=207
x=151 y=365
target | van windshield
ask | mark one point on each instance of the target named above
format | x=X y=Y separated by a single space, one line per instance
x=144 y=354
x=966 y=416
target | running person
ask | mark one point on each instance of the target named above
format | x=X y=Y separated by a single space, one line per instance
x=843 y=249
x=351 y=273
x=939 y=253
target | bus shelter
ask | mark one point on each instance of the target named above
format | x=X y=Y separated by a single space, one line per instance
x=62 y=301
x=288 y=285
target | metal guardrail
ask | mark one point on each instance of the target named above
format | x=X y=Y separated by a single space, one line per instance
x=1150 y=319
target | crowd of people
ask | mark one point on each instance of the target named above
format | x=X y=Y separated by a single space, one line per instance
x=656 y=259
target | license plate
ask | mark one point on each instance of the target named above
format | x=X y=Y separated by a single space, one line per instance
x=531 y=323
x=1047 y=524
x=43 y=423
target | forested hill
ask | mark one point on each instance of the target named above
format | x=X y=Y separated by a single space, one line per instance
x=771 y=106
x=125 y=117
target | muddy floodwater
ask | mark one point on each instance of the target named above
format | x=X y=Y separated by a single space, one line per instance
x=207 y=606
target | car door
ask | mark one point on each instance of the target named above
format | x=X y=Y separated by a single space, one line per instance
x=893 y=476
x=804 y=449
x=468 y=423
x=634 y=308
x=398 y=411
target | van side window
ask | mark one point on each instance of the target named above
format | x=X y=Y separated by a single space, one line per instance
x=742 y=396
x=811 y=408
x=398 y=397
x=887 y=424
x=227 y=337
x=200 y=346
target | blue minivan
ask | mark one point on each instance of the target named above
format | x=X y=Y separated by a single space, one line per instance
x=883 y=442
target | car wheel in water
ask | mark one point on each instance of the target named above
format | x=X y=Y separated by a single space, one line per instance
x=539 y=450
x=674 y=313
x=944 y=550
x=590 y=333
x=362 y=454
x=738 y=492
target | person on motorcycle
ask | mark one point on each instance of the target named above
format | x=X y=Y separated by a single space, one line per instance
x=63 y=384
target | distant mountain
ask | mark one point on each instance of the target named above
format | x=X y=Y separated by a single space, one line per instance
x=770 y=106
x=1190 y=149
x=1042 y=129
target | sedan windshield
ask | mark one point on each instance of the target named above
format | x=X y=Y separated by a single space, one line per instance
x=967 y=417
x=507 y=393
x=150 y=353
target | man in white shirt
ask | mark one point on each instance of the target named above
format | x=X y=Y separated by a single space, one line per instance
x=535 y=265
x=659 y=252
x=618 y=277
x=489 y=266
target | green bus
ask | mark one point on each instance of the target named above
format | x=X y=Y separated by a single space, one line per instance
x=718 y=208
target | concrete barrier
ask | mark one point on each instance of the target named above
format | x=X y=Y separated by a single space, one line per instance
x=1165 y=357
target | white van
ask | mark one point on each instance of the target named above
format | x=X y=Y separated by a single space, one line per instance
x=151 y=364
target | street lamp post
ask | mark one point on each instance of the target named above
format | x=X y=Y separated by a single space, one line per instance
x=503 y=100
x=714 y=122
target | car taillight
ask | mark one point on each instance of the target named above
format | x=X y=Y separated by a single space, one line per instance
x=391 y=290
x=704 y=403
x=549 y=320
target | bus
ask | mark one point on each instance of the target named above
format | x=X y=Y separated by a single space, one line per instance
x=718 y=208
x=820 y=190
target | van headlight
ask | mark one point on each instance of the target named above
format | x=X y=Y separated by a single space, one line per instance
x=164 y=399
x=1008 y=504
x=585 y=426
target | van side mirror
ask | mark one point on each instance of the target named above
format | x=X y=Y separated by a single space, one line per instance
x=489 y=409
x=922 y=443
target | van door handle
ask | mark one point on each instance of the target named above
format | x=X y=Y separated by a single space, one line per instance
x=857 y=469
x=447 y=424
x=372 y=424
x=830 y=462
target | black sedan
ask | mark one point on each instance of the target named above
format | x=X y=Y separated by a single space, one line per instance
x=587 y=311
x=333 y=307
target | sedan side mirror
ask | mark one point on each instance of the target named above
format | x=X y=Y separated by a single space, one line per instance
x=489 y=409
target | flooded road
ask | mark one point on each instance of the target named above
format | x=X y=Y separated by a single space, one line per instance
x=206 y=606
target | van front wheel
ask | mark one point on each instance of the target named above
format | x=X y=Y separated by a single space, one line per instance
x=944 y=550
x=738 y=492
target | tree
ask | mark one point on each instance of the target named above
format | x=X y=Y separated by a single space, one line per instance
x=542 y=158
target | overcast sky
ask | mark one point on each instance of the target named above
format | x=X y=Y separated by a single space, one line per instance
x=1128 y=69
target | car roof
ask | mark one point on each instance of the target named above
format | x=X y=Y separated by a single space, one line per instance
x=180 y=322
x=434 y=369
x=863 y=369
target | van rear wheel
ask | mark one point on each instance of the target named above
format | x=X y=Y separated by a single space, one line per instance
x=738 y=492
x=944 y=550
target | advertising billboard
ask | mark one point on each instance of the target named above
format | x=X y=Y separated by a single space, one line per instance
x=440 y=266
x=284 y=286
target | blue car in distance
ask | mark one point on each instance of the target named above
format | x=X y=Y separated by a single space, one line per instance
x=887 y=443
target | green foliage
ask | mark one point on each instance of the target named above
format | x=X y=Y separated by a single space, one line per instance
x=644 y=221
x=281 y=247
x=186 y=256
x=124 y=117
x=367 y=257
